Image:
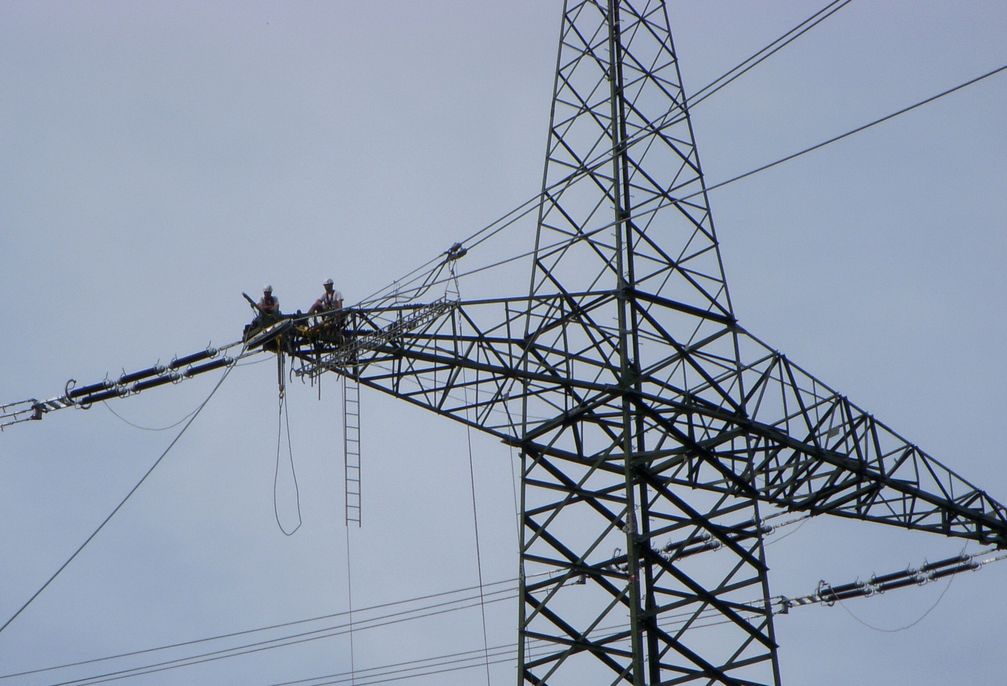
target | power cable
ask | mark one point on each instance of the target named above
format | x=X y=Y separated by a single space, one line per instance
x=292 y=639
x=721 y=184
x=538 y=647
x=121 y=502
x=417 y=675
x=270 y=644
x=841 y=136
x=697 y=621
x=280 y=625
x=405 y=663
x=707 y=617
x=531 y=204
x=751 y=172
x=761 y=55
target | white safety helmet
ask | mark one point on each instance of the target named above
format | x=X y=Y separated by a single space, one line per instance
x=328 y=282
x=267 y=289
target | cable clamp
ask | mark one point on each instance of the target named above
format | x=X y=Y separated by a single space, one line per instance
x=824 y=591
x=455 y=252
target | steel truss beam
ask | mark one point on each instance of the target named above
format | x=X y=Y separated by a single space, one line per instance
x=650 y=423
x=709 y=454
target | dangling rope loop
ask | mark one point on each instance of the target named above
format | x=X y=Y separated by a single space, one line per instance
x=284 y=418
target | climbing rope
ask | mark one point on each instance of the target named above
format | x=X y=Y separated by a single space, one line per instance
x=283 y=418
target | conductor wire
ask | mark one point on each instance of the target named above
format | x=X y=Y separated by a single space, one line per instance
x=532 y=203
x=121 y=502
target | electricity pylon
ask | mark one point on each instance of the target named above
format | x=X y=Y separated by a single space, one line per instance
x=651 y=425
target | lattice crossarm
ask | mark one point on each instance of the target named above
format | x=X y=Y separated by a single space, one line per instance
x=478 y=361
x=908 y=488
x=902 y=486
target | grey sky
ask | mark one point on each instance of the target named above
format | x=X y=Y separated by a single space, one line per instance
x=158 y=159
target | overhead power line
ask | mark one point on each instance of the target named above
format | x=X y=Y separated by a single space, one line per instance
x=862 y=127
x=765 y=53
x=508 y=586
x=511 y=217
x=826 y=594
x=270 y=644
x=719 y=184
x=508 y=583
x=122 y=502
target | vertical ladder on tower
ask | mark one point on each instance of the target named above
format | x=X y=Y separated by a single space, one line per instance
x=351 y=449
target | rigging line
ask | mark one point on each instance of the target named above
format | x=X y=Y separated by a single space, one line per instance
x=349 y=592
x=475 y=524
x=146 y=428
x=702 y=94
x=277 y=626
x=122 y=502
x=282 y=413
x=841 y=136
x=515 y=466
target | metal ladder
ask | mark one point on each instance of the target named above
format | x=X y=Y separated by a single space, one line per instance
x=351 y=449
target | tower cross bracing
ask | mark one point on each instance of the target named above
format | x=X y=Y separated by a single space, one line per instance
x=649 y=421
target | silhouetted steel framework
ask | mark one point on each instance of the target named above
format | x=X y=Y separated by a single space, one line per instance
x=650 y=424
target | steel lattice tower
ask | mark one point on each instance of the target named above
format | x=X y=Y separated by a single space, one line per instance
x=651 y=424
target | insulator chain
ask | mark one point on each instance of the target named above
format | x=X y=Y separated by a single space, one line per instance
x=179 y=369
x=827 y=594
x=708 y=542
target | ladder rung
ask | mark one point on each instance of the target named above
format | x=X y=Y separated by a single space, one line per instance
x=351 y=451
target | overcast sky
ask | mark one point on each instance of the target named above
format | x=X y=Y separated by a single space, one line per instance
x=158 y=159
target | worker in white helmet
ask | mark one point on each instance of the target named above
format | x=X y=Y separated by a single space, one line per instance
x=269 y=305
x=331 y=300
x=268 y=310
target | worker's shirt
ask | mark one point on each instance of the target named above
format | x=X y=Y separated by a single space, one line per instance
x=269 y=305
x=328 y=301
